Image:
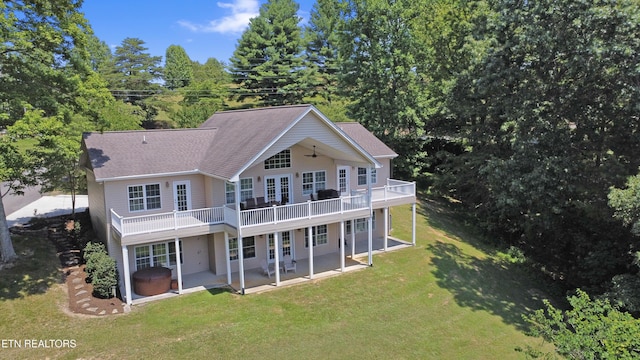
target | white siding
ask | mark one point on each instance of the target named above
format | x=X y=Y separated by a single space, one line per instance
x=312 y=127
x=99 y=219
x=117 y=194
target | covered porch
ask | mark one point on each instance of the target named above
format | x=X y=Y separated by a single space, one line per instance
x=256 y=281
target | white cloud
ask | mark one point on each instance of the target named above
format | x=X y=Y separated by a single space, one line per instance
x=241 y=12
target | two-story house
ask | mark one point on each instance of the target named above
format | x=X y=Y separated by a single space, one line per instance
x=246 y=187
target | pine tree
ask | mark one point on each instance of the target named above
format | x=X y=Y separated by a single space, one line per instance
x=268 y=63
x=322 y=40
x=133 y=71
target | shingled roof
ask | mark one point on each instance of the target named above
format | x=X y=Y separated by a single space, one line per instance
x=220 y=147
x=244 y=133
x=120 y=154
x=367 y=140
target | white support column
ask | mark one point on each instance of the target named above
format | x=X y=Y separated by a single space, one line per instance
x=276 y=255
x=241 y=264
x=370 y=220
x=310 y=238
x=342 y=242
x=127 y=275
x=413 y=224
x=178 y=265
x=353 y=239
x=228 y=255
x=386 y=227
x=370 y=241
x=239 y=231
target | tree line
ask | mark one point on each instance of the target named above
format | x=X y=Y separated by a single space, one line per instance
x=525 y=114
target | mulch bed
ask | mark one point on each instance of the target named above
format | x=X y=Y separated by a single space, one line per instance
x=69 y=246
x=81 y=300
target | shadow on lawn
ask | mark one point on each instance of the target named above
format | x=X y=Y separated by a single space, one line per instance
x=484 y=284
x=35 y=271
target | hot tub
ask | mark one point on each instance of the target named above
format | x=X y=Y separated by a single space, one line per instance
x=152 y=281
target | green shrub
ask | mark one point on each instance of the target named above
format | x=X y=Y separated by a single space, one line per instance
x=91 y=252
x=101 y=269
x=104 y=277
x=591 y=329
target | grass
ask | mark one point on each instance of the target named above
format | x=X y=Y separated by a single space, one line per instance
x=443 y=299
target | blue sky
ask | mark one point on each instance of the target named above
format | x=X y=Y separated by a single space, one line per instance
x=204 y=28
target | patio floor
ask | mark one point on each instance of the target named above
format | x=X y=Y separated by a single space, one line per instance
x=256 y=282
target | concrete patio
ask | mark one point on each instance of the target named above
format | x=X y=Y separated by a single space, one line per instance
x=256 y=281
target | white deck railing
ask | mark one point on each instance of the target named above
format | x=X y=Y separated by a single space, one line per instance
x=393 y=190
x=307 y=210
x=255 y=217
x=171 y=221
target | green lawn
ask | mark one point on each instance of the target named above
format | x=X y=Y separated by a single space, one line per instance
x=446 y=298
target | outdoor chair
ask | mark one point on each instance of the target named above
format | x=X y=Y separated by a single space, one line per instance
x=267 y=269
x=260 y=202
x=251 y=203
x=289 y=264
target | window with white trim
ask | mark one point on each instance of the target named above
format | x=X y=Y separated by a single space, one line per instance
x=319 y=235
x=313 y=181
x=246 y=188
x=285 y=243
x=144 y=197
x=362 y=176
x=361 y=224
x=160 y=254
x=229 y=193
x=248 y=248
x=280 y=160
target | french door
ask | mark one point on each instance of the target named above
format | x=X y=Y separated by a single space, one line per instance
x=182 y=195
x=286 y=246
x=278 y=188
x=343 y=180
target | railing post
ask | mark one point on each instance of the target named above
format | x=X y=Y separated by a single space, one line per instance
x=175 y=220
x=275 y=216
x=309 y=208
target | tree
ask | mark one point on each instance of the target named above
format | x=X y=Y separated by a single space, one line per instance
x=43 y=61
x=626 y=203
x=322 y=39
x=41 y=42
x=213 y=70
x=379 y=75
x=204 y=96
x=591 y=329
x=178 y=69
x=268 y=62
x=133 y=73
x=13 y=168
x=55 y=156
x=550 y=118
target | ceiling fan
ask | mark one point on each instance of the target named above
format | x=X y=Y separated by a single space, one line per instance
x=314 y=155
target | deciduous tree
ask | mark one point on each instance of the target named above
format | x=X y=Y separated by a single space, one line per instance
x=14 y=167
x=551 y=118
x=42 y=43
x=178 y=69
x=380 y=76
